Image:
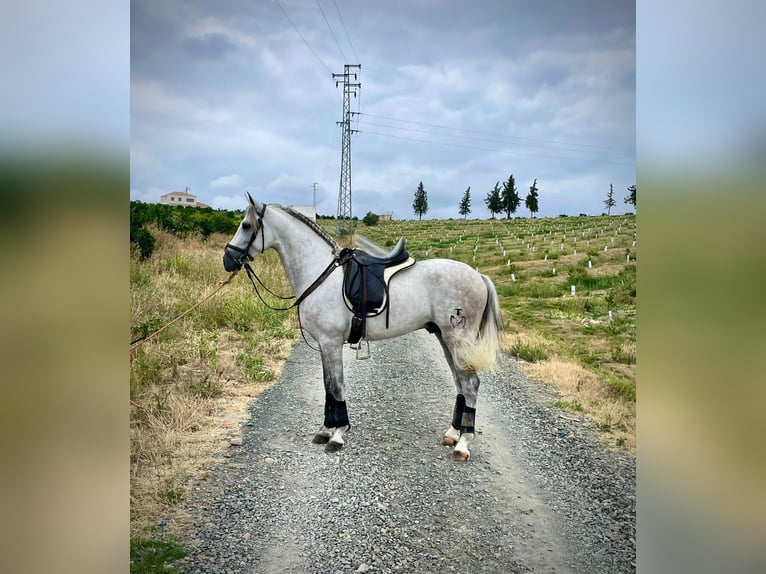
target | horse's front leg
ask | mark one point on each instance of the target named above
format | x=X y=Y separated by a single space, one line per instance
x=336 y=422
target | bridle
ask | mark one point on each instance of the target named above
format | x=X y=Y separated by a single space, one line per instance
x=245 y=257
x=244 y=261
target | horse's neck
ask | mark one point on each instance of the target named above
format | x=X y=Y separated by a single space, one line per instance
x=303 y=253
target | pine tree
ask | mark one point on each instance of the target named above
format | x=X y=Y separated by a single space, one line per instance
x=631 y=197
x=610 y=202
x=510 y=197
x=493 y=201
x=531 y=200
x=465 y=203
x=420 y=203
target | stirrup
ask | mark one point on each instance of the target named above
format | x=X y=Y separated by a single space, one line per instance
x=358 y=347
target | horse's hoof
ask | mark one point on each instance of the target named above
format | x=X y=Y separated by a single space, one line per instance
x=460 y=455
x=333 y=446
x=320 y=439
x=448 y=441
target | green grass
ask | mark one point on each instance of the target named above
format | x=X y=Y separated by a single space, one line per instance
x=573 y=406
x=147 y=369
x=207 y=387
x=252 y=362
x=154 y=556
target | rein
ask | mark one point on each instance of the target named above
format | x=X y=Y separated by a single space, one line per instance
x=244 y=260
x=337 y=261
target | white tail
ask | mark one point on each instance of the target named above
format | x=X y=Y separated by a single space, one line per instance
x=480 y=355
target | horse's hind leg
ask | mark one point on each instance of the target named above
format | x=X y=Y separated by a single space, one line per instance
x=462 y=430
x=336 y=421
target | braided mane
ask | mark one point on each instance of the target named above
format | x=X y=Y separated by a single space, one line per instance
x=313 y=225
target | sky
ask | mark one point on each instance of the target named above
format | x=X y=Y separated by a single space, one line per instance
x=238 y=96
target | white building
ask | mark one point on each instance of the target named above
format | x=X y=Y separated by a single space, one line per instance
x=181 y=198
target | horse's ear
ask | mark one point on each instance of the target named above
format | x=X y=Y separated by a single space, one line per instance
x=257 y=205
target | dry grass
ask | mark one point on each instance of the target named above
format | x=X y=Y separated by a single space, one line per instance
x=583 y=392
x=189 y=393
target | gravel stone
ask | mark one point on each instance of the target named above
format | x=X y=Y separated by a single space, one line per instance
x=539 y=493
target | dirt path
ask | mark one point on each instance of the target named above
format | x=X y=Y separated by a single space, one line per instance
x=537 y=495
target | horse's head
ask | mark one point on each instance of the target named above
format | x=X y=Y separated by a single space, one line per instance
x=241 y=248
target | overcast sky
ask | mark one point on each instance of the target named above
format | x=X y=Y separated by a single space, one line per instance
x=227 y=97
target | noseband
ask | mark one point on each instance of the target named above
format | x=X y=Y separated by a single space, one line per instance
x=245 y=256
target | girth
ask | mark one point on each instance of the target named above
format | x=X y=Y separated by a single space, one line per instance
x=365 y=284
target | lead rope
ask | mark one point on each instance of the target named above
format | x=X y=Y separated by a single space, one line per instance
x=136 y=343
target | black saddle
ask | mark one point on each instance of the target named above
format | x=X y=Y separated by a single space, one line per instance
x=365 y=283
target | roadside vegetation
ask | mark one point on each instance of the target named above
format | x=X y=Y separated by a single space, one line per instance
x=191 y=384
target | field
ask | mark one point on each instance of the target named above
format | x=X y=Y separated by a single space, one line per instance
x=584 y=343
x=190 y=385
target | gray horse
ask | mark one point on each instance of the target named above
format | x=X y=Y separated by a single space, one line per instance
x=446 y=297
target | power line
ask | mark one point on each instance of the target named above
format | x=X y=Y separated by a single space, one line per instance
x=302 y=38
x=497 y=150
x=521 y=140
x=331 y=32
x=345 y=30
x=567 y=147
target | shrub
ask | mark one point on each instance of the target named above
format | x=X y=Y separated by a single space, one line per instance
x=143 y=240
x=370 y=219
x=528 y=351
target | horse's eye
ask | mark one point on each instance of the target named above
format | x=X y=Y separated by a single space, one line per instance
x=245 y=225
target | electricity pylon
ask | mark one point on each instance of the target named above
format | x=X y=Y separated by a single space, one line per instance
x=349 y=88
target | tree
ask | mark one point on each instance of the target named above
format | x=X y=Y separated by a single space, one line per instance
x=493 y=201
x=531 y=200
x=420 y=203
x=370 y=219
x=631 y=197
x=510 y=198
x=610 y=202
x=143 y=240
x=465 y=204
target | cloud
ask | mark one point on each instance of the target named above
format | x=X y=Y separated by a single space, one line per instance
x=231 y=202
x=233 y=180
x=223 y=95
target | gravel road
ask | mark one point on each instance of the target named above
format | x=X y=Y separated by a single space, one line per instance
x=538 y=495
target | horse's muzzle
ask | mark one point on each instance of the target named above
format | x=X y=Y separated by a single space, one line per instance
x=230 y=264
